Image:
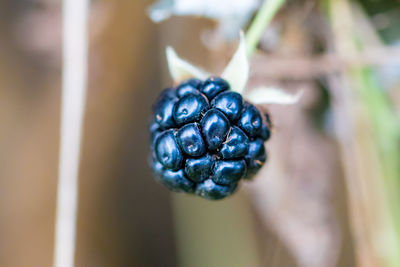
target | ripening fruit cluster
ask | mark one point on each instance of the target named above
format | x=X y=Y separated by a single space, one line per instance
x=205 y=138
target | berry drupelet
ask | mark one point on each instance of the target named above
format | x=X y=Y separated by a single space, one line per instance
x=205 y=138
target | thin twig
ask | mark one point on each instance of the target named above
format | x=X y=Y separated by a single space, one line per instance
x=75 y=46
x=302 y=68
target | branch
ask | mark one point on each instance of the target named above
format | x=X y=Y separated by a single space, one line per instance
x=302 y=68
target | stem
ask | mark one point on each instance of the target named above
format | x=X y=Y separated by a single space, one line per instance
x=75 y=46
x=373 y=171
x=260 y=22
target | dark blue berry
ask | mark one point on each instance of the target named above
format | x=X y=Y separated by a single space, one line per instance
x=163 y=109
x=203 y=148
x=154 y=127
x=255 y=157
x=236 y=144
x=230 y=103
x=213 y=86
x=167 y=150
x=199 y=169
x=158 y=168
x=154 y=137
x=256 y=150
x=191 y=86
x=190 y=108
x=265 y=132
x=210 y=190
x=190 y=140
x=251 y=121
x=228 y=171
x=176 y=181
x=155 y=131
x=215 y=127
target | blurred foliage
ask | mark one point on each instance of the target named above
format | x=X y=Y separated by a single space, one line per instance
x=385 y=14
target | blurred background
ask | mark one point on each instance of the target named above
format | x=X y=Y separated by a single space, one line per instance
x=328 y=195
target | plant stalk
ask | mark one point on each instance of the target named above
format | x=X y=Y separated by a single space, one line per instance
x=75 y=50
x=264 y=16
x=370 y=150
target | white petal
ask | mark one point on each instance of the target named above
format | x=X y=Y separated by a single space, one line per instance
x=233 y=14
x=160 y=11
x=219 y=10
x=266 y=95
x=180 y=69
x=237 y=71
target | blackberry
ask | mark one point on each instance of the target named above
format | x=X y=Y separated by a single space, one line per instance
x=205 y=138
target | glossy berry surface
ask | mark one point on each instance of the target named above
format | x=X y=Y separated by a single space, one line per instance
x=190 y=140
x=230 y=103
x=213 y=86
x=190 y=108
x=199 y=169
x=188 y=87
x=215 y=127
x=205 y=138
